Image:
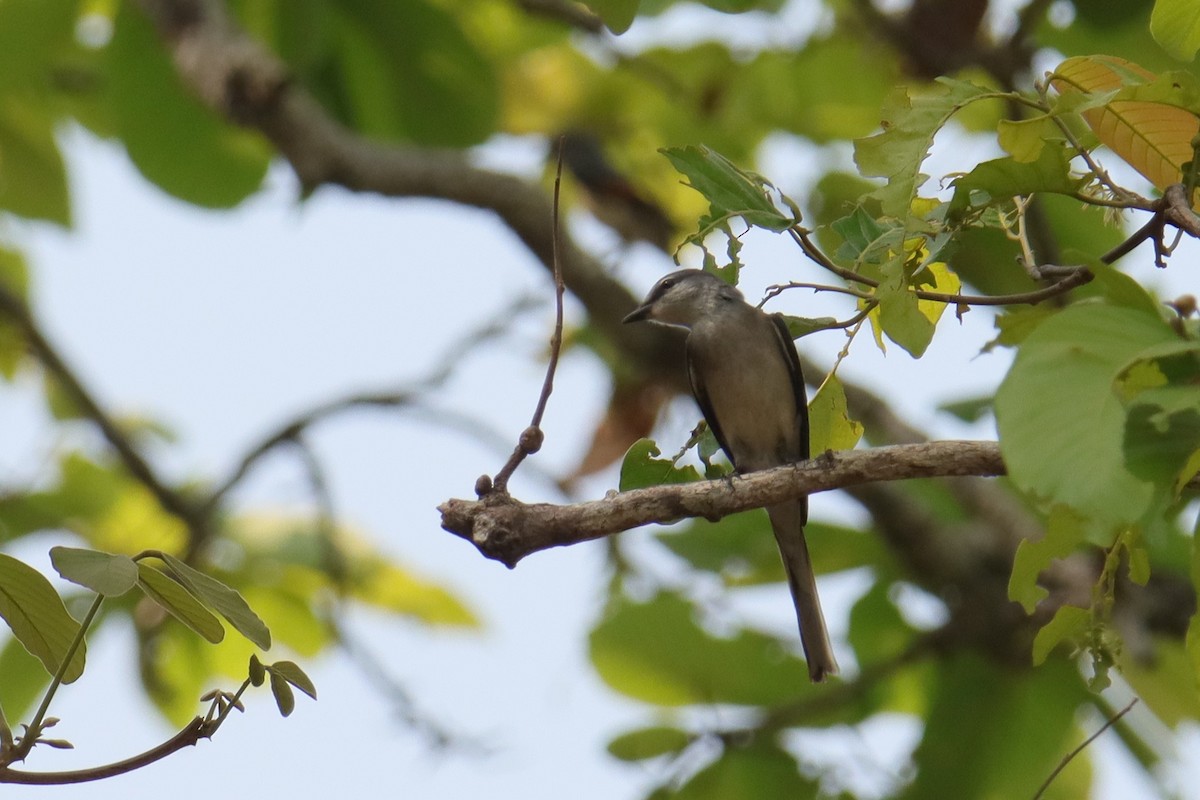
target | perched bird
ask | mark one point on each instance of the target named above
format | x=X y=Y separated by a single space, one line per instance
x=746 y=377
x=611 y=197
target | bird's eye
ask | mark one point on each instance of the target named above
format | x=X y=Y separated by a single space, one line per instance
x=667 y=283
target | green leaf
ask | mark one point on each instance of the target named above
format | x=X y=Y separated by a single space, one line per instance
x=865 y=238
x=1024 y=139
x=970 y=409
x=999 y=180
x=390 y=586
x=33 y=36
x=1166 y=683
x=909 y=124
x=1064 y=532
x=1030 y=723
x=748 y=668
x=285 y=698
x=803 y=326
x=640 y=468
x=24 y=679
x=172 y=139
x=830 y=426
x=256 y=672
x=104 y=573
x=878 y=631
x=225 y=601
x=644 y=743
x=38 y=618
x=1068 y=624
x=181 y=603
x=290 y=671
x=1118 y=288
x=407 y=71
x=899 y=314
x=1061 y=423
x=741 y=549
x=1162 y=432
x=618 y=15
x=34 y=181
x=1175 y=25
x=731 y=191
x=760 y=770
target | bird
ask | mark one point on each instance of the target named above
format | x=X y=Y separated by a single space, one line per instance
x=745 y=375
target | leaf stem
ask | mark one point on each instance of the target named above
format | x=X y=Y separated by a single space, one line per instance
x=35 y=726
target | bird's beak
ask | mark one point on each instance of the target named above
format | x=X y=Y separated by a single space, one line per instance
x=638 y=314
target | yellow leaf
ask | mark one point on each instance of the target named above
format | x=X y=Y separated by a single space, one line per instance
x=390 y=587
x=136 y=522
x=944 y=281
x=829 y=419
x=1153 y=138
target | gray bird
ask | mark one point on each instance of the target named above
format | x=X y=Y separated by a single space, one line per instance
x=745 y=375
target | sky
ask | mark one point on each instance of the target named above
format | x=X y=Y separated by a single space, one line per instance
x=223 y=324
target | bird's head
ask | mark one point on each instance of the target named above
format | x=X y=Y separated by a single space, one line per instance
x=684 y=297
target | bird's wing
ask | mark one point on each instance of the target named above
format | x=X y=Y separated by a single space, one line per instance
x=706 y=407
x=792 y=359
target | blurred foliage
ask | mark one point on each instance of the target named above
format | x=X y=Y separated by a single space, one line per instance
x=1099 y=420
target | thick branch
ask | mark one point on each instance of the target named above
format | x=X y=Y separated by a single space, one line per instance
x=507 y=530
x=243 y=82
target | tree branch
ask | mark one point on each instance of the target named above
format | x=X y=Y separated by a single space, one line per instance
x=243 y=82
x=507 y=530
x=173 y=501
x=195 y=730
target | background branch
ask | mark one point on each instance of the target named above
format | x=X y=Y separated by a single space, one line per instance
x=243 y=82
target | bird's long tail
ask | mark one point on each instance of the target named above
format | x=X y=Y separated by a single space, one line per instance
x=787 y=520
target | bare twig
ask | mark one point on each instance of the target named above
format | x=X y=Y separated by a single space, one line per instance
x=1071 y=755
x=407 y=396
x=852 y=322
x=402 y=702
x=1073 y=277
x=777 y=289
x=531 y=438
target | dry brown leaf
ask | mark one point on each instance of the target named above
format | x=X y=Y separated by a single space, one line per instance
x=1153 y=138
x=632 y=411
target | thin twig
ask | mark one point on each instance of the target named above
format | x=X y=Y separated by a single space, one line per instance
x=406 y=396
x=531 y=438
x=1071 y=755
x=1153 y=228
x=192 y=733
x=857 y=319
x=776 y=289
x=199 y=728
x=1076 y=276
x=402 y=702
x=332 y=558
